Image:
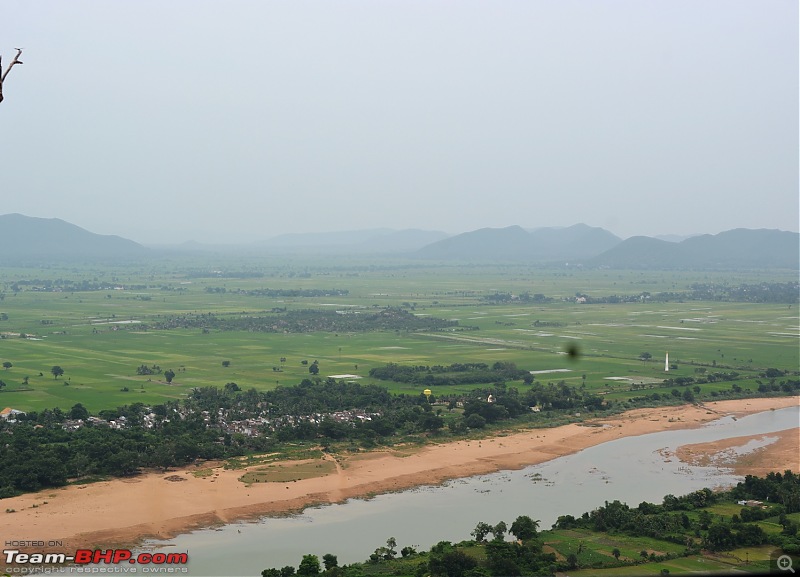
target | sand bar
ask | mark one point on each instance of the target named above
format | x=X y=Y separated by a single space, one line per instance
x=125 y=511
x=772 y=451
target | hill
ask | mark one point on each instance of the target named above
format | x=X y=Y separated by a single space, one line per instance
x=738 y=248
x=514 y=243
x=24 y=238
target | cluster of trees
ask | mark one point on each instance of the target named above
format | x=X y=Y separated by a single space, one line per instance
x=71 y=285
x=772 y=388
x=455 y=374
x=284 y=292
x=303 y=321
x=522 y=557
x=774 y=488
x=145 y=370
x=765 y=292
x=309 y=566
x=241 y=274
x=525 y=297
x=34 y=457
x=671 y=520
x=561 y=396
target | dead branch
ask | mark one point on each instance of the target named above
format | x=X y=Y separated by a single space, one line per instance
x=10 y=66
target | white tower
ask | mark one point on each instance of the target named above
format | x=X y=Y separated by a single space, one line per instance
x=666 y=364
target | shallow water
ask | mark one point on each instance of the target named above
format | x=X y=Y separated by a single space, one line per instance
x=633 y=469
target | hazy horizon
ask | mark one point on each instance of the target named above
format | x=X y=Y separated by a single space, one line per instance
x=228 y=123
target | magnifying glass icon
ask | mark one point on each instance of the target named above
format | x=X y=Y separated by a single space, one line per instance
x=785 y=563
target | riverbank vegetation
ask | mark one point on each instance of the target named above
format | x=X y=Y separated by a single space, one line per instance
x=54 y=447
x=744 y=529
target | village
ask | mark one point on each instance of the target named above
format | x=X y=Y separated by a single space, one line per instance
x=255 y=425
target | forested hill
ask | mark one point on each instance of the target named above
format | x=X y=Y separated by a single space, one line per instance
x=28 y=238
x=734 y=249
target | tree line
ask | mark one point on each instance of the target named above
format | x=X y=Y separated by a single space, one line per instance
x=307 y=320
x=454 y=374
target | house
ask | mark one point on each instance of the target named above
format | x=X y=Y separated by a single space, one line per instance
x=10 y=414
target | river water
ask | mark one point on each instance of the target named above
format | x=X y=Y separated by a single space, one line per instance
x=632 y=469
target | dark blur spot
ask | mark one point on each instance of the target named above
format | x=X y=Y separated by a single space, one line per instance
x=573 y=352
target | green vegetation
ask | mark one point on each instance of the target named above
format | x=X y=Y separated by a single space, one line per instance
x=681 y=535
x=223 y=358
x=284 y=473
x=98 y=325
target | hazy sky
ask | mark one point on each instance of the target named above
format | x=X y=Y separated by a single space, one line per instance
x=228 y=121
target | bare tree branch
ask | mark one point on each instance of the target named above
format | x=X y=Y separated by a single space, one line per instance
x=10 y=66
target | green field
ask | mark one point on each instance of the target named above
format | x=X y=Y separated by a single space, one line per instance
x=96 y=337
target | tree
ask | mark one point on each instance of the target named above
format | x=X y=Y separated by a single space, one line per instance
x=7 y=365
x=406 y=551
x=57 y=372
x=78 y=411
x=330 y=561
x=524 y=528
x=169 y=374
x=287 y=571
x=391 y=543
x=309 y=566
x=226 y=363
x=645 y=356
x=572 y=561
x=313 y=368
x=3 y=75
x=481 y=530
x=616 y=553
x=430 y=422
x=499 y=530
x=451 y=563
x=475 y=421
x=2 y=384
x=232 y=388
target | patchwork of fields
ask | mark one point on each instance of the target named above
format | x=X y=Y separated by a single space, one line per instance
x=101 y=337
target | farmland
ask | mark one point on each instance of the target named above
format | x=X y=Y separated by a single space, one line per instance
x=100 y=335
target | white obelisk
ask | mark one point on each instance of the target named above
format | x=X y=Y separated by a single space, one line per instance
x=666 y=364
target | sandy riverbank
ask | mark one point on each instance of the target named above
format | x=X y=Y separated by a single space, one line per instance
x=122 y=512
x=751 y=455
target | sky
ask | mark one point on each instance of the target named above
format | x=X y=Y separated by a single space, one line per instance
x=235 y=121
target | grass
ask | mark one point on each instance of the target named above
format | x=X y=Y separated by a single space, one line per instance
x=600 y=546
x=288 y=472
x=694 y=564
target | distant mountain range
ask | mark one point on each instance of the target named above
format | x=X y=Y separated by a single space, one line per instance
x=24 y=238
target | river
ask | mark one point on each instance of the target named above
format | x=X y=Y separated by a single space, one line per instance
x=632 y=469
